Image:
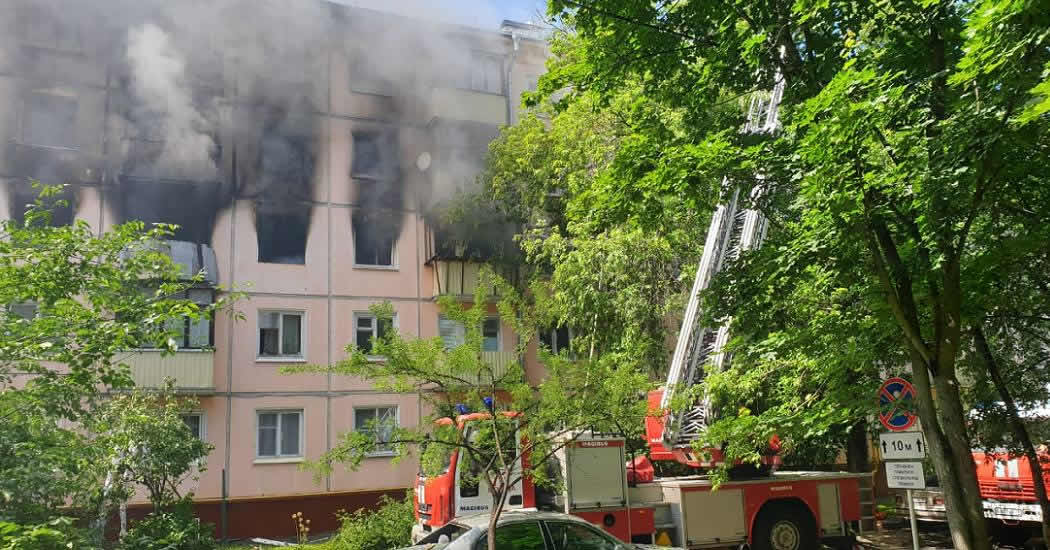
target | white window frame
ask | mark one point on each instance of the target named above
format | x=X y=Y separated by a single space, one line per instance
x=278 y=457
x=203 y=436
x=477 y=59
x=462 y=331
x=397 y=422
x=297 y=358
x=375 y=327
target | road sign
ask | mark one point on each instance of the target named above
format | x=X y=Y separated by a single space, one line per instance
x=896 y=399
x=902 y=446
x=905 y=475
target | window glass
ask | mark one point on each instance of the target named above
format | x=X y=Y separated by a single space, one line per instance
x=200 y=333
x=575 y=536
x=279 y=433
x=364 y=334
x=269 y=333
x=516 y=536
x=290 y=334
x=195 y=423
x=452 y=332
x=379 y=421
x=268 y=434
x=290 y=434
x=490 y=335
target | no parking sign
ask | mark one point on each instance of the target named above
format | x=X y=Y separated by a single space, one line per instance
x=896 y=402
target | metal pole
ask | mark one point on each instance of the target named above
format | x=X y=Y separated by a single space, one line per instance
x=914 y=527
x=222 y=508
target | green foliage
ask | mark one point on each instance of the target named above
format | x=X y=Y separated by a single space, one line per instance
x=67 y=426
x=173 y=529
x=146 y=442
x=59 y=533
x=524 y=420
x=388 y=526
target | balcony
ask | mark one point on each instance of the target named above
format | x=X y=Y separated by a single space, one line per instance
x=192 y=370
x=467 y=105
x=500 y=361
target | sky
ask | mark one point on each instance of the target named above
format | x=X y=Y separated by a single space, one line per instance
x=486 y=14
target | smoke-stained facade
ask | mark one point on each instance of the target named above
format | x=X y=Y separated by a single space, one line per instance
x=303 y=154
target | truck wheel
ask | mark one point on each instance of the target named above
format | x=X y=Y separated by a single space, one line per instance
x=1010 y=535
x=784 y=527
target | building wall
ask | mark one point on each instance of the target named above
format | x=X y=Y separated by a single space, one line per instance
x=328 y=288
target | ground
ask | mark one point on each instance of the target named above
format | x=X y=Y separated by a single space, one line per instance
x=931 y=537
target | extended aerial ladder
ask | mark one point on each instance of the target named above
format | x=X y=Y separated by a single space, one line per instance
x=734 y=229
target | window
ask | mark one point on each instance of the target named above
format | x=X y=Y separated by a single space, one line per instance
x=367 y=327
x=282 y=236
x=557 y=339
x=280 y=334
x=50 y=121
x=452 y=332
x=367 y=160
x=195 y=422
x=373 y=243
x=380 y=422
x=25 y=310
x=486 y=73
x=516 y=536
x=490 y=334
x=576 y=536
x=279 y=434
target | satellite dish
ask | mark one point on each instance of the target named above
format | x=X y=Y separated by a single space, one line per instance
x=423 y=161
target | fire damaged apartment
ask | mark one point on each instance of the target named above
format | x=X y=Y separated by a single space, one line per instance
x=299 y=147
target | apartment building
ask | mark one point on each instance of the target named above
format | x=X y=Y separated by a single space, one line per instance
x=299 y=150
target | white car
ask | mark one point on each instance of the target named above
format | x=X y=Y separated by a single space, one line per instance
x=525 y=530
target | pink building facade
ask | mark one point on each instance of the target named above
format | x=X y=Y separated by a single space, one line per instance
x=316 y=209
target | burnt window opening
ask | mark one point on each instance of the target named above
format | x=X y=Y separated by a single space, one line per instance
x=374 y=238
x=50 y=121
x=60 y=208
x=285 y=167
x=192 y=206
x=374 y=155
x=557 y=339
x=282 y=234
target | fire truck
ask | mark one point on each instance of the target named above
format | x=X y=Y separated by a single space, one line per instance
x=768 y=511
x=1007 y=491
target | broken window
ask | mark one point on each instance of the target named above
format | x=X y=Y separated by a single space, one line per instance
x=50 y=121
x=379 y=422
x=189 y=205
x=374 y=155
x=60 y=208
x=556 y=339
x=282 y=234
x=373 y=239
x=490 y=334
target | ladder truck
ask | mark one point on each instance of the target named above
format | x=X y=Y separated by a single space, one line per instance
x=776 y=511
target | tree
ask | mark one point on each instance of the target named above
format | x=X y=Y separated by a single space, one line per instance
x=902 y=161
x=73 y=302
x=517 y=420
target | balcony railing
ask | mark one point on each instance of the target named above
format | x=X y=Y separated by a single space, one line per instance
x=500 y=361
x=192 y=370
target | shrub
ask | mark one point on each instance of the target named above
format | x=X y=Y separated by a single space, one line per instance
x=57 y=534
x=389 y=526
x=173 y=529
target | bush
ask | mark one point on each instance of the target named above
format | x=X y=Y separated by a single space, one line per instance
x=57 y=534
x=389 y=526
x=174 y=529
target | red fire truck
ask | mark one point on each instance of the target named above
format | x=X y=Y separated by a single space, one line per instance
x=778 y=511
x=1008 y=493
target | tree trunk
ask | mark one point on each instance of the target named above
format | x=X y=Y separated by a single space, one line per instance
x=949 y=449
x=1020 y=431
x=857 y=448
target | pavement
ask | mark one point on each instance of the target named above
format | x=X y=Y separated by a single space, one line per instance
x=931 y=537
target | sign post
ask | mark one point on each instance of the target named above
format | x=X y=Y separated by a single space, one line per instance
x=902 y=450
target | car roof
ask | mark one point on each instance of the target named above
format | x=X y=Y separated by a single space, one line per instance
x=481 y=521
